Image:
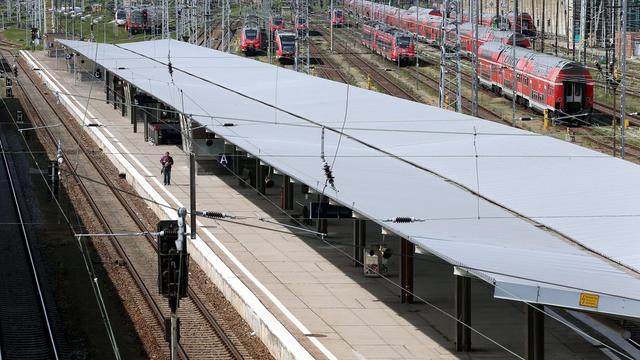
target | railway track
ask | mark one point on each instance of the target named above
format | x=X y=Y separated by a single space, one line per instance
x=377 y=75
x=329 y=69
x=26 y=326
x=202 y=337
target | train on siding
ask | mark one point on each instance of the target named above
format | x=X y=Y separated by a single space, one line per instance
x=251 y=35
x=285 y=45
x=144 y=19
x=426 y=24
x=276 y=22
x=121 y=17
x=389 y=42
x=337 y=17
x=542 y=82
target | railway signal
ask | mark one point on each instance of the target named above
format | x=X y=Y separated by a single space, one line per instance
x=173 y=271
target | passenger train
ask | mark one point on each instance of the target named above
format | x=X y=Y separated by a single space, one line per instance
x=251 y=35
x=121 y=17
x=285 y=45
x=390 y=43
x=144 y=19
x=542 y=82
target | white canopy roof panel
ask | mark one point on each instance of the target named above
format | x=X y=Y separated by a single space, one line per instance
x=554 y=220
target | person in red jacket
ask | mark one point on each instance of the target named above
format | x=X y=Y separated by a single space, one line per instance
x=166 y=161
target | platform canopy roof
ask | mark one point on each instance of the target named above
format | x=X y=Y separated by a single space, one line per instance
x=543 y=220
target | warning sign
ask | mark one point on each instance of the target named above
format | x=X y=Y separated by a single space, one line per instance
x=589 y=300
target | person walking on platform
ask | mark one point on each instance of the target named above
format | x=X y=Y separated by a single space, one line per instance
x=166 y=161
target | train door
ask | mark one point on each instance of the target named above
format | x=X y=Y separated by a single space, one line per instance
x=573 y=96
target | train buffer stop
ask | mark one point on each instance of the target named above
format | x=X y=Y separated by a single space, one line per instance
x=372 y=227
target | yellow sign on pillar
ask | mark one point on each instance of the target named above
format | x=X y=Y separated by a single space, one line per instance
x=545 y=124
x=589 y=300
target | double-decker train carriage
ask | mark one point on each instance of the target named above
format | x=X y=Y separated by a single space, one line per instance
x=523 y=24
x=542 y=81
x=144 y=19
x=285 y=45
x=426 y=24
x=486 y=34
x=391 y=43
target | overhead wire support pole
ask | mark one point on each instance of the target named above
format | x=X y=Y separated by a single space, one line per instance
x=443 y=55
x=515 y=63
x=583 y=31
x=623 y=70
x=474 y=85
x=331 y=26
x=458 y=5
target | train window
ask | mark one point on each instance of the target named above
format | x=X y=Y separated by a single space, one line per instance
x=251 y=34
x=403 y=41
x=577 y=90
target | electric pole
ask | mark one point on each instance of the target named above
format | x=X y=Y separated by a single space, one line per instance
x=454 y=54
x=623 y=70
x=474 y=28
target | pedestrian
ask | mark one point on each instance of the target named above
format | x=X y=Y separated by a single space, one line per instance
x=166 y=161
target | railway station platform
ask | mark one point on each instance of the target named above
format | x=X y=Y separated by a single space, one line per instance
x=307 y=284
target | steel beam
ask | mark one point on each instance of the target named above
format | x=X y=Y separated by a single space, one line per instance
x=287 y=193
x=359 y=241
x=322 y=224
x=260 y=183
x=463 y=313
x=407 y=250
x=132 y=108
x=534 y=339
x=106 y=84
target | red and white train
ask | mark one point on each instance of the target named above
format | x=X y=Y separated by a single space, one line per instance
x=276 y=22
x=426 y=24
x=285 y=45
x=390 y=43
x=542 y=81
x=251 y=35
x=337 y=18
x=250 y=39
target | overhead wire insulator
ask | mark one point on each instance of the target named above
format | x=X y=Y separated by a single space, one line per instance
x=215 y=215
x=328 y=174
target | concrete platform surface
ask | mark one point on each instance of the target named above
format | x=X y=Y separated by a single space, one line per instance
x=310 y=284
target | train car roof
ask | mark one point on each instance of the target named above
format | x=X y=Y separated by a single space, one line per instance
x=529 y=214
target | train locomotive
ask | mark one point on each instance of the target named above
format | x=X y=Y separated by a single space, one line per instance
x=390 y=43
x=542 y=82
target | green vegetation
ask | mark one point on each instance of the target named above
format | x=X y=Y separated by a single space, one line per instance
x=16 y=35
